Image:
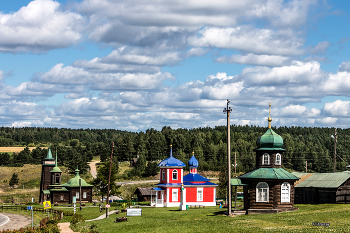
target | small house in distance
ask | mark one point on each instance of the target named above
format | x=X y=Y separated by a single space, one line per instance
x=320 y=188
x=143 y=194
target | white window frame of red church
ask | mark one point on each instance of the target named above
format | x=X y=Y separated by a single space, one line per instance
x=174 y=174
x=262 y=192
x=266 y=159
x=199 y=194
x=285 y=192
x=278 y=159
x=175 y=194
x=163 y=174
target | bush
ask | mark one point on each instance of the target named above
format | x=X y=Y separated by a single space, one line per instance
x=77 y=218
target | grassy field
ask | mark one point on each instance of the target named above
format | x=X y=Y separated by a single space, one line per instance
x=212 y=219
x=12 y=149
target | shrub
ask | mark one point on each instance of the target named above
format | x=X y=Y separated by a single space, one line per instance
x=77 y=218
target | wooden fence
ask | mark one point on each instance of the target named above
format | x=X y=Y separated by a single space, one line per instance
x=57 y=215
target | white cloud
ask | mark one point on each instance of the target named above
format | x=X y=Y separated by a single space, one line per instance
x=249 y=39
x=258 y=60
x=21 y=124
x=337 y=84
x=297 y=74
x=337 y=108
x=38 y=27
x=135 y=56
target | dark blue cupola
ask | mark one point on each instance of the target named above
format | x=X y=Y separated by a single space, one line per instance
x=193 y=164
x=171 y=161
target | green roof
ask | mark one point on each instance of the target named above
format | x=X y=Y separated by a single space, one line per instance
x=49 y=154
x=74 y=182
x=269 y=141
x=269 y=173
x=56 y=169
x=323 y=180
x=237 y=182
x=58 y=190
x=46 y=191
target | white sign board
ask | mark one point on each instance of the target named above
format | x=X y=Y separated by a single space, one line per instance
x=134 y=212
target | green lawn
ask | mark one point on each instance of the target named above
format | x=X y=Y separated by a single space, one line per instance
x=212 y=219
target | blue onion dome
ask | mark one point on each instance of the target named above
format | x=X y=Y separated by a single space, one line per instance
x=171 y=161
x=193 y=162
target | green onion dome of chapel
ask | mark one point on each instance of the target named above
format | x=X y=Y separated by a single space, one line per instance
x=269 y=140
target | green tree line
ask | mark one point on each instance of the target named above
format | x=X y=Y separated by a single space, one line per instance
x=310 y=144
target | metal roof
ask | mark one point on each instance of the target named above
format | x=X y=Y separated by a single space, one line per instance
x=194 y=177
x=323 y=180
x=269 y=141
x=157 y=189
x=171 y=161
x=144 y=191
x=62 y=189
x=193 y=162
x=46 y=191
x=200 y=184
x=74 y=182
x=49 y=155
x=237 y=182
x=269 y=173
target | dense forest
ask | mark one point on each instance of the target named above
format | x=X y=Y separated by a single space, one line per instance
x=78 y=146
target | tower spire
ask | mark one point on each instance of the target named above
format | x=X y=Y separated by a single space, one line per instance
x=269 y=119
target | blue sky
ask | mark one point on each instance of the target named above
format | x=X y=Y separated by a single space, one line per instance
x=137 y=64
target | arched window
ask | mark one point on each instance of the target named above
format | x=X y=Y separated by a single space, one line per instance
x=285 y=192
x=266 y=159
x=278 y=159
x=174 y=174
x=163 y=174
x=262 y=192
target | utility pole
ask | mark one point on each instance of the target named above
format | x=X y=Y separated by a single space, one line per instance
x=109 y=179
x=228 y=110
x=335 y=149
x=306 y=166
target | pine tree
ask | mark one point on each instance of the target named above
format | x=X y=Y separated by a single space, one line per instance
x=101 y=182
x=14 y=180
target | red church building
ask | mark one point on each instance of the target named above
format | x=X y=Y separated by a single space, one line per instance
x=176 y=190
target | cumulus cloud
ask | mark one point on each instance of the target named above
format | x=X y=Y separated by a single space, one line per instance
x=337 y=108
x=337 y=84
x=251 y=40
x=136 y=56
x=39 y=27
x=254 y=59
x=299 y=73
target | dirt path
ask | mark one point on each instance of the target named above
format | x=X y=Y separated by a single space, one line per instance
x=93 y=171
x=16 y=222
x=64 y=227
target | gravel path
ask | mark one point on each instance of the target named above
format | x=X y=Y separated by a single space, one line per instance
x=15 y=222
x=64 y=227
x=93 y=168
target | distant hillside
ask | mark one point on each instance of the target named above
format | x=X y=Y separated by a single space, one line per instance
x=313 y=145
